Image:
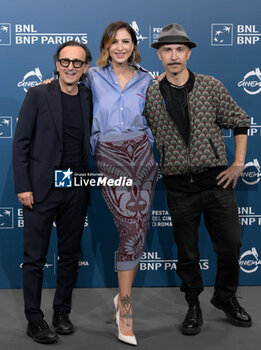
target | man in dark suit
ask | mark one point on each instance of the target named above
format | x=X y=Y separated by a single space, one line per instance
x=53 y=132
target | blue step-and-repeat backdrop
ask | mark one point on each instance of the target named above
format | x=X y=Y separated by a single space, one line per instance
x=228 y=34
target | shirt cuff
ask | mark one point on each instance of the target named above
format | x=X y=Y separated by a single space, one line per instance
x=240 y=131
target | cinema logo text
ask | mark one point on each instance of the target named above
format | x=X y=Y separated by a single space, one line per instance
x=27 y=34
x=251 y=82
x=31 y=79
x=251 y=173
x=249 y=261
x=83 y=263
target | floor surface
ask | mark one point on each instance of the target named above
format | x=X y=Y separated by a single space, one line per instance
x=158 y=313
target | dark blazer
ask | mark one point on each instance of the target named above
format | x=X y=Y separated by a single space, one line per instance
x=38 y=140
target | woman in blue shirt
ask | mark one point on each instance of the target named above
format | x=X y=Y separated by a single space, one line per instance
x=122 y=144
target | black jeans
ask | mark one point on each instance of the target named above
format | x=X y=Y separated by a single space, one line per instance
x=220 y=210
x=69 y=208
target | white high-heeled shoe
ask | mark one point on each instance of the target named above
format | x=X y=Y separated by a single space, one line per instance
x=115 y=302
x=129 y=339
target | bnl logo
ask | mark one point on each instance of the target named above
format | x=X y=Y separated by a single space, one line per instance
x=6 y=218
x=221 y=34
x=63 y=178
x=5 y=34
x=5 y=127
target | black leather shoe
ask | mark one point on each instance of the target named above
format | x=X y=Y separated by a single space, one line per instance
x=193 y=320
x=234 y=312
x=62 y=323
x=40 y=332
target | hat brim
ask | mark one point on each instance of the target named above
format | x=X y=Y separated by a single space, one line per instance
x=159 y=43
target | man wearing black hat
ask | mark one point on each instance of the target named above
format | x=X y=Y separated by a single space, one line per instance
x=186 y=112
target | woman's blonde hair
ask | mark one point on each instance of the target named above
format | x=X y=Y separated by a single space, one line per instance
x=108 y=38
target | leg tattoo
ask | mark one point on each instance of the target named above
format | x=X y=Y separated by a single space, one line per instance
x=126 y=302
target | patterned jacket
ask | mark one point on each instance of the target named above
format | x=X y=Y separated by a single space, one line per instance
x=211 y=108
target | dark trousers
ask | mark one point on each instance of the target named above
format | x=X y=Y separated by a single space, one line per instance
x=68 y=207
x=220 y=210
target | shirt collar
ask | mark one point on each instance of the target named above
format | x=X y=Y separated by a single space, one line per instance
x=134 y=65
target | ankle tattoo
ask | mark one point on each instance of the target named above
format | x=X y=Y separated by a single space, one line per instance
x=126 y=302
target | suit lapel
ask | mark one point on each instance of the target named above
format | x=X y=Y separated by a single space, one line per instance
x=55 y=104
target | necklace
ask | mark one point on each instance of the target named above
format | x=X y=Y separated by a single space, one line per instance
x=177 y=86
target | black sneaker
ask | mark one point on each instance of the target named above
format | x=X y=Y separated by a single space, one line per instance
x=234 y=312
x=62 y=323
x=40 y=332
x=193 y=320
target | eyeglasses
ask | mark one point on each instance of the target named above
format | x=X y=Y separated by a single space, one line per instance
x=65 y=62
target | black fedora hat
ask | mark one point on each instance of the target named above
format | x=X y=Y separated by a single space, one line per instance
x=173 y=34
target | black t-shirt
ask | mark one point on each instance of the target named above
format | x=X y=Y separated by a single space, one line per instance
x=176 y=102
x=72 y=133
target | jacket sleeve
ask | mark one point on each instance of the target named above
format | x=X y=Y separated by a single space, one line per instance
x=23 y=140
x=229 y=114
x=145 y=112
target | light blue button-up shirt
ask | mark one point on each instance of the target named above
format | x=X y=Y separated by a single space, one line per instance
x=115 y=110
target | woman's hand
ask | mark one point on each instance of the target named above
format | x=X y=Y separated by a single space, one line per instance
x=160 y=77
x=47 y=81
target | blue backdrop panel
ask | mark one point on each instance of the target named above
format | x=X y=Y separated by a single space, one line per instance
x=228 y=35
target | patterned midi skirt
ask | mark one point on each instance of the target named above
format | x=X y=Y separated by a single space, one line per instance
x=128 y=156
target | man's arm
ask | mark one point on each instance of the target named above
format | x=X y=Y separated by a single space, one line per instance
x=21 y=148
x=229 y=114
x=233 y=172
